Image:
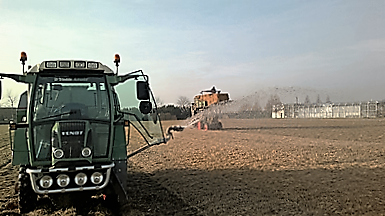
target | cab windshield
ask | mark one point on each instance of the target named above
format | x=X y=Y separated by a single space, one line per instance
x=70 y=98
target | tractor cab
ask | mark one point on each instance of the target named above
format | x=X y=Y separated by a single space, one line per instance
x=73 y=108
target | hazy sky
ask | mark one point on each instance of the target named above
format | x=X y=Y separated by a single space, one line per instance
x=328 y=47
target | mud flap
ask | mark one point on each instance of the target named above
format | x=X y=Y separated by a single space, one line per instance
x=118 y=181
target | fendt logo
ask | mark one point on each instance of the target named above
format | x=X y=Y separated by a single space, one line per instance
x=72 y=133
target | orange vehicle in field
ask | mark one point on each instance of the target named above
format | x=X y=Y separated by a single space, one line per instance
x=205 y=100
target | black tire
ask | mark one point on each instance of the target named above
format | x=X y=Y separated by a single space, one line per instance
x=112 y=203
x=27 y=197
x=215 y=126
x=220 y=127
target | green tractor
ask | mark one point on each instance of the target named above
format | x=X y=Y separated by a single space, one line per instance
x=70 y=135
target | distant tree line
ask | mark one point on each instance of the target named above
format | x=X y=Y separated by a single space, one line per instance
x=318 y=101
x=172 y=112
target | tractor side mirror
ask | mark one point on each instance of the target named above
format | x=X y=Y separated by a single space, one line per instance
x=1 y=87
x=145 y=107
x=142 y=90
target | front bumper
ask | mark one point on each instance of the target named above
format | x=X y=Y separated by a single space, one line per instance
x=37 y=174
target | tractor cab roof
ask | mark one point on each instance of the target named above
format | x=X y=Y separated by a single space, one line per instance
x=58 y=66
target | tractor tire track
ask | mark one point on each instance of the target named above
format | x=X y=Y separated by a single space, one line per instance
x=148 y=197
x=5 y=163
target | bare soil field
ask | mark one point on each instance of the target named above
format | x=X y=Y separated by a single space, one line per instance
x=251 y=167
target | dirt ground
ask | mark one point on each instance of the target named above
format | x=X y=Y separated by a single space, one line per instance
x=251 y=167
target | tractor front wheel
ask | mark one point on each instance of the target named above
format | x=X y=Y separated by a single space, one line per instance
x=27 y=197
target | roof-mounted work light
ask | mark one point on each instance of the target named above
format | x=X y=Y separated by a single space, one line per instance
x=51 y=64
x=80 y=64
x=64 y=64
x=92 y=65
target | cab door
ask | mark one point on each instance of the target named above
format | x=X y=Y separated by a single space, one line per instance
x=137 y=105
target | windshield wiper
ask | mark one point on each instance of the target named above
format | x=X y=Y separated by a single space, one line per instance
x=60 y=114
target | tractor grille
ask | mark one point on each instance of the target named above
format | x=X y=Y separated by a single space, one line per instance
x=72 y=138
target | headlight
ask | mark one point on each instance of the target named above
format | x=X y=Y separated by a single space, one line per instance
x=86 y=152
x=58 y=153
x=96 y=178
x=80 y=179
x=63 y=180
x=46 y=181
